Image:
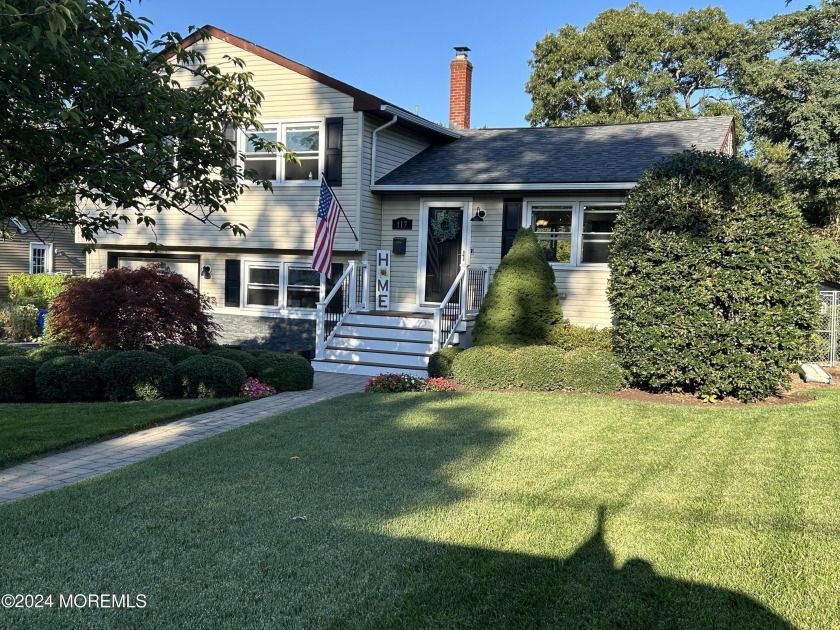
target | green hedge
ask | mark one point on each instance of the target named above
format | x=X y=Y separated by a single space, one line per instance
x=17 y=379
x=68 y=379
x=592 y=371
x=7 y=350
x=485 y=367
x=440 y=363
x=209 y=377
x=284 y=372
x=52 y=351
x=37 y=289
x=137 y=375
x=712 y=281
x=571 y=337
x=246 y=360
x=177 y=352
x=540 y=367
x=99 y=356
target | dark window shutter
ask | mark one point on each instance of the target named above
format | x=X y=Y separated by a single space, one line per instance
x=113 y=260
x=332 y=166
x=511 y=222
x=233 y=280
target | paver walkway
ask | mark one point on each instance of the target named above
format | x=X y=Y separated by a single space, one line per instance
x=55 y=471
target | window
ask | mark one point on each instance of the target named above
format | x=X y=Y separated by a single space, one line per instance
x=305 y=139
x=282 y=285
x=40 y=257
x=574 y=232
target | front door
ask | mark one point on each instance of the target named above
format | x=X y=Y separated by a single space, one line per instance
x=444 y=249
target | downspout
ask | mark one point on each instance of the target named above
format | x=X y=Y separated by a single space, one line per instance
x=373 y=148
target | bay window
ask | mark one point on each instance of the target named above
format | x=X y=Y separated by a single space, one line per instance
x=574 y=233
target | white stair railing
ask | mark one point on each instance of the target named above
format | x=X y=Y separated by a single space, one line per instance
x=464 y=296
x=349 y=294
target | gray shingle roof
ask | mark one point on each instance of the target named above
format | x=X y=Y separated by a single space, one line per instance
x=591 y=154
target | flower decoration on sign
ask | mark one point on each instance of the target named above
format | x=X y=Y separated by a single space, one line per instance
x=445 y=225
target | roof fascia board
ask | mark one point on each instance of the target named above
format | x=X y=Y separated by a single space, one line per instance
x=502 y=187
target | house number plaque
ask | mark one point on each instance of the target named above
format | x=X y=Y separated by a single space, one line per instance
x=401 y=223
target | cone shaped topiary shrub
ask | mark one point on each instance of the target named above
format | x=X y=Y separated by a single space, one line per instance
x=712 y=284
x=521 y=306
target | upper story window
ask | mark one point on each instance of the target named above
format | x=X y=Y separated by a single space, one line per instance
x=574 y=233
x=40 y=257
x=304 y=138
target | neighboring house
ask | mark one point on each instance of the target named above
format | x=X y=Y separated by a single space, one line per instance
x=44 y=249
x=444 y=202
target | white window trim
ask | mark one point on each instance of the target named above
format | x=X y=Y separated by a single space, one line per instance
x=48 y=256
x=281 y=124
x=282 y=307
x=577 y=204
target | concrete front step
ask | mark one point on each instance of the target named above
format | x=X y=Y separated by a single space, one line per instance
x=364 y=369
x=390 y=321
x=380 y=345
x=414 y=361
x=393 y=334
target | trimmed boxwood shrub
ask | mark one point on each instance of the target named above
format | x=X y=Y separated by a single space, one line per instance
x=440 y=363
x=521 y=306
x=592 y=371
x=487 y=367
x=68 y=379
x=7 y=350
x=712 y=283
x=52 y=351
x=209 y=377
x=137 y=375
x=176 y=352
x=17 y=379
x=540 y=367
x=99 y=356
x=245 y=359
x=285 y=372
x=571 y=337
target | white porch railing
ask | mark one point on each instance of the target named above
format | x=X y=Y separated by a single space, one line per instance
x=464 y=296
x=349 y=294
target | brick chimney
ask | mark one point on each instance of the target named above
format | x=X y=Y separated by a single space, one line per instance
x=460 y=89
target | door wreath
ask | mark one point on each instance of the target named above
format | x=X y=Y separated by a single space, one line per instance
x=445 y=225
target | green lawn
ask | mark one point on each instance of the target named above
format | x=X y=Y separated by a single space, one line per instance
x=28 y=430
x=465 y=510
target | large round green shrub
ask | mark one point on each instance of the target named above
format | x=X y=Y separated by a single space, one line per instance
x=177 y=352
x=712 y=284
x=17 y=379
x=52 y=351
x=68 y=379
x=485 y=367
x=7 y=350
x=285 y=372
x=245 y=359
x=209 y=377
x=592 y=371
x=440 y=363
x=540 y=367
x=137 y=375
x=99 y=356
x=521 y=306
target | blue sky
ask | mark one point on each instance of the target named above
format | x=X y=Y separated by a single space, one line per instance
x=401 y=51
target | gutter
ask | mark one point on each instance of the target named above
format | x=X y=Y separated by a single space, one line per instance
x=405 y=188
x=373 y=148
x=420 y=122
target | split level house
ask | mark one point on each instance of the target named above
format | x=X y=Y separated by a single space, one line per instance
x=433 y=209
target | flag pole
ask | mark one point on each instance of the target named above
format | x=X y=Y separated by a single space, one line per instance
x=350 y=225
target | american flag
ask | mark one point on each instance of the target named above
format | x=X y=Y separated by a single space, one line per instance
x=325 y=226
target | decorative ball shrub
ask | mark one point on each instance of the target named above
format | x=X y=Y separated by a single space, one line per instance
x=712 y=283
x=52 y=351
x=440 y=363
x=99 y=356
x=285 y=372
x=245 y=359
x=137 y=375
x=521 y=306
x=17 y=379
x=486 y=367
x=68 y=379
x=7 y=350
x=176 y=352
x=209 y=377
x=592 y=371
x=540 y=367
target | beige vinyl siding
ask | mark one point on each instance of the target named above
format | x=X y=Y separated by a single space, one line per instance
x=68 y=257
x=284 y=218
x=486 y=236
x=403 y=268
x=394 y=147
x=583 y=295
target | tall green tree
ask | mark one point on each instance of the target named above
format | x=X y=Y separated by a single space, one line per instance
x=100 y=126
x=789 y=81
x=631 y=65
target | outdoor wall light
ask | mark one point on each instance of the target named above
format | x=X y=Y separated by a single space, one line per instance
x=479 y=214
x=206 y=270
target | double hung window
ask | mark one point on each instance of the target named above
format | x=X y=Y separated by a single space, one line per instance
x=40 y=258
x=304 y=139
x=281 y=285
x=574 y=233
